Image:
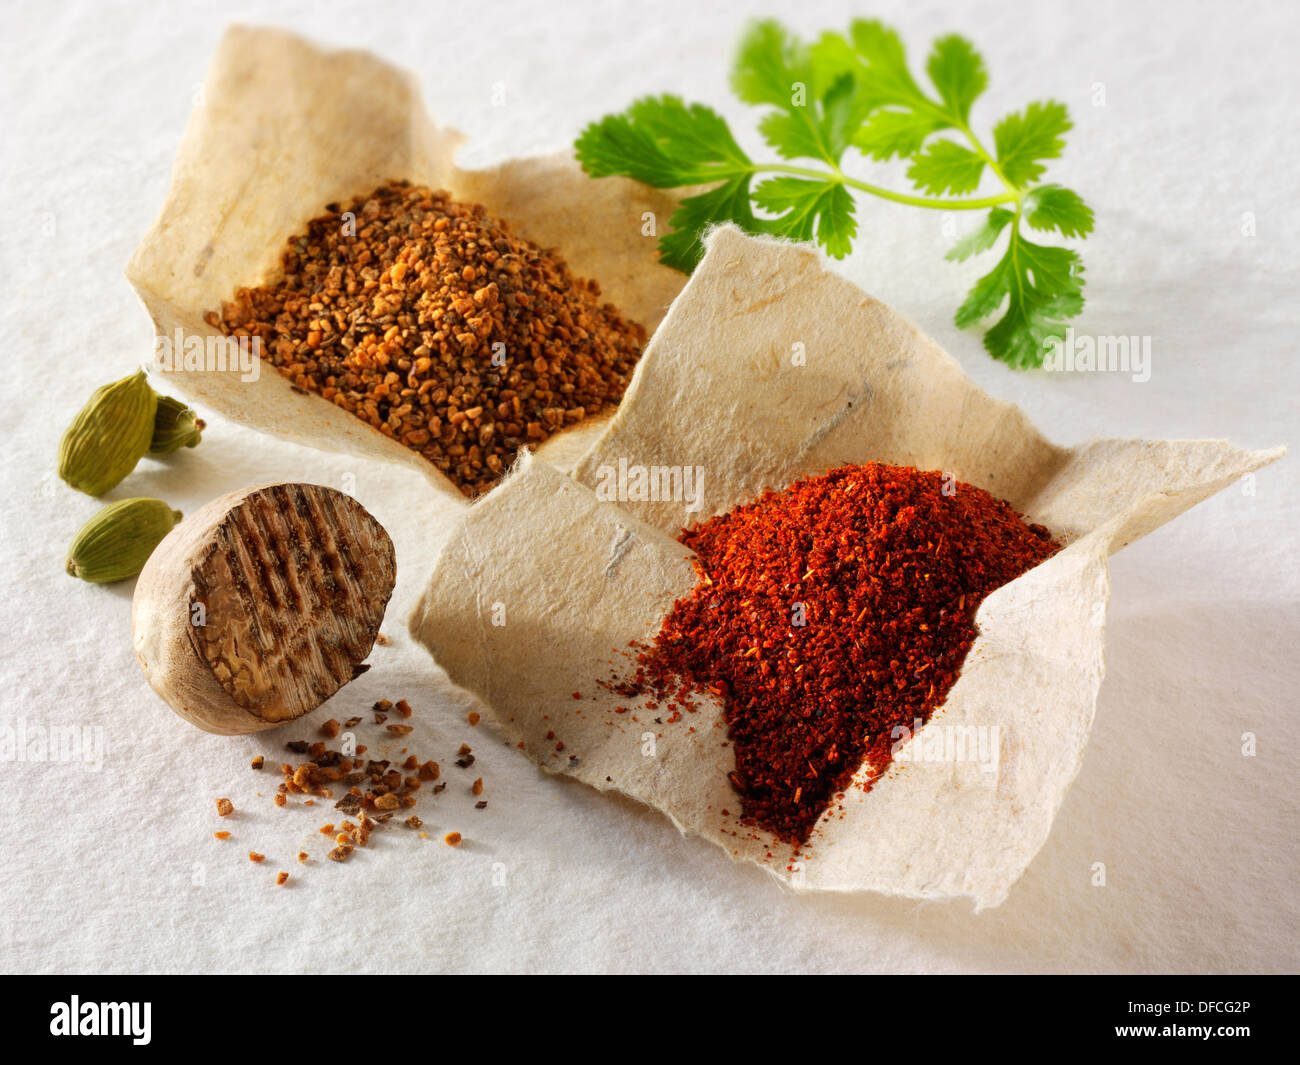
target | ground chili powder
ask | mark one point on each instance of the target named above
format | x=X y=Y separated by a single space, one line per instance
x=827 y=614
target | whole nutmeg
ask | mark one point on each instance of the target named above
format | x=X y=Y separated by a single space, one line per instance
x=263 y=604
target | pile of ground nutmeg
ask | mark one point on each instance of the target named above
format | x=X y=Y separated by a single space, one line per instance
x=426 y=318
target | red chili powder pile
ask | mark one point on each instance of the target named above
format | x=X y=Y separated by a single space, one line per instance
x=827 y=614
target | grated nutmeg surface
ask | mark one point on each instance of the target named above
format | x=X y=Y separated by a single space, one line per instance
x=293 y=589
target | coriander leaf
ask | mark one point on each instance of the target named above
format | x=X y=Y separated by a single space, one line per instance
x=773 y=68
x=695 y=133
x=768 y=65
x=832 y=57
x=945 y=166
x=884 y=76
x=799 y=203
x=834 y=61
x=899 y=116
x=663 y=142
x=1024 y=139
x=983 y=236
x=817 y=105
x=682 y=249
x=1041 y=285
x=957 y=71
x=1056 y=207
x=888 y=133
x=791 y=135
x=840 y=114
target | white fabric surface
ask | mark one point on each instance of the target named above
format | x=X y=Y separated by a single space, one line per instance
x=1199 y=842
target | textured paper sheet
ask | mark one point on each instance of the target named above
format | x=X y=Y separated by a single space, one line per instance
x=284 y=128
x=768 y=368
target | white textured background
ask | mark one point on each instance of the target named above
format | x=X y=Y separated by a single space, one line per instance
x=118 y=870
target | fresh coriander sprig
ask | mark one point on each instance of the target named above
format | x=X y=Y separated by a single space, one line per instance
x=856 y=90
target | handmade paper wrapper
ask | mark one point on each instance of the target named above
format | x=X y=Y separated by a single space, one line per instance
x=544 y=582
x=285 y=128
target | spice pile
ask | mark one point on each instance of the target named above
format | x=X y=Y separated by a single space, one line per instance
x=377 y=789
x=429 y=320
x=825 y=616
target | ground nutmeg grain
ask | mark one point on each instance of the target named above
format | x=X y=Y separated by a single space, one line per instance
x=428 y=319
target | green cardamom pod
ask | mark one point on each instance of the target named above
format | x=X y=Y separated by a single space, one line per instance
x=174 y=426
x=116 y=543
x=109 y=435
